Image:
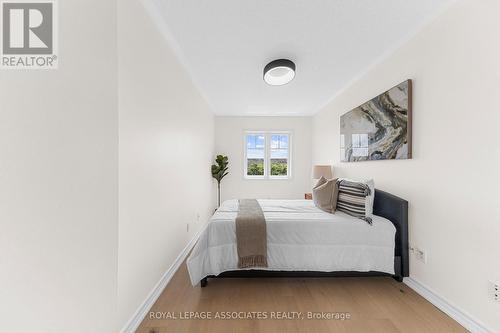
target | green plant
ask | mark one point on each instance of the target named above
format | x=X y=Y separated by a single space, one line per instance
x=219 y=171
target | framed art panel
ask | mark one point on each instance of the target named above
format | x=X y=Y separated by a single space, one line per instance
x=379 y=129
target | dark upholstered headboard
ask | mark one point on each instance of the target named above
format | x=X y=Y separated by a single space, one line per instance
x=395 y=209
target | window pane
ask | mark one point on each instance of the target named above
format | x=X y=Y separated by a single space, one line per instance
x=360 y=145
x=279 y=167
x=255 y=146
x=255 y=154
x=357 y=152
x=355 y=141
x=255 y=141
x=255 y=167
x=363 y=140
x=279 y=146
x=279 y=155
x=279 y=141
x=275 y=141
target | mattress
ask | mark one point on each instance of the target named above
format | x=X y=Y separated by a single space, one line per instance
x=300 y=237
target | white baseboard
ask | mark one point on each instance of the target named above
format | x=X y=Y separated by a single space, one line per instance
x=134 y=322
x=459 y=316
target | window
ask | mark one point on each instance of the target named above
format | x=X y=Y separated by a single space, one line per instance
x=359 y=145
x=256 y=154
x=267 y=155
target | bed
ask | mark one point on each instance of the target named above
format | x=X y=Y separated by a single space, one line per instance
x=302 y=241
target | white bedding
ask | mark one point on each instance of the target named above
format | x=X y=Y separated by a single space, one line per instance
x=300 y=237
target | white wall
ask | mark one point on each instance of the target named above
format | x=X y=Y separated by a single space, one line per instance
x=229 y=140
x=58 y=181
x=451 y=183
x=166 y=148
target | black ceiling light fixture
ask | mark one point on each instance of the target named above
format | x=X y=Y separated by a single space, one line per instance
x=279 y=72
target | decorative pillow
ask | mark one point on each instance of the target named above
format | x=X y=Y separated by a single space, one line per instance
x=371 y=198
x=325 y=194
x=356 y=198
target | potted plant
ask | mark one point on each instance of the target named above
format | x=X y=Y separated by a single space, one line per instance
x=219 y=171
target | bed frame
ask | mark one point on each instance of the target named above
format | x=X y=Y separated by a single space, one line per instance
x=386 y=205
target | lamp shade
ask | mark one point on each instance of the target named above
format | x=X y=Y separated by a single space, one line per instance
x=322 y=171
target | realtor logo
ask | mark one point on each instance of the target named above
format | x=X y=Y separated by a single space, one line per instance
x=28 y=34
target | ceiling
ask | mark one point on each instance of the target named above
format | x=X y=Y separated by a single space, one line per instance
x=226 y=44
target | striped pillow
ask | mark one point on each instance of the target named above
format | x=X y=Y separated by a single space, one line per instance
x=354 y=198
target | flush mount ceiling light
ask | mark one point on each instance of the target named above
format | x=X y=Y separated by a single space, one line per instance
x=279 y=72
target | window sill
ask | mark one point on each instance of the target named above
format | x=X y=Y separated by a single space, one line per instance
x=266 y=178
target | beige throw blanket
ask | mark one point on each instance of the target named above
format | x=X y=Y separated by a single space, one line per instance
x=251 y=235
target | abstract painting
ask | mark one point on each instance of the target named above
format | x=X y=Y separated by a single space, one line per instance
x=379 y=129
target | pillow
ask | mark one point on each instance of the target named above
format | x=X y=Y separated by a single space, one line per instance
x=325 y=194
x=371 y=199
x=356 y=198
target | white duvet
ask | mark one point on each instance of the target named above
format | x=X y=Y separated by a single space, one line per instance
x=300 y=237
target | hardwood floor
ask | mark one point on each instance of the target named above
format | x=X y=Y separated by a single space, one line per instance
x=375 y=304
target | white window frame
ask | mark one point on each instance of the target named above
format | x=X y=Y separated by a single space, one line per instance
x=267 y=155
x=355 y=149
